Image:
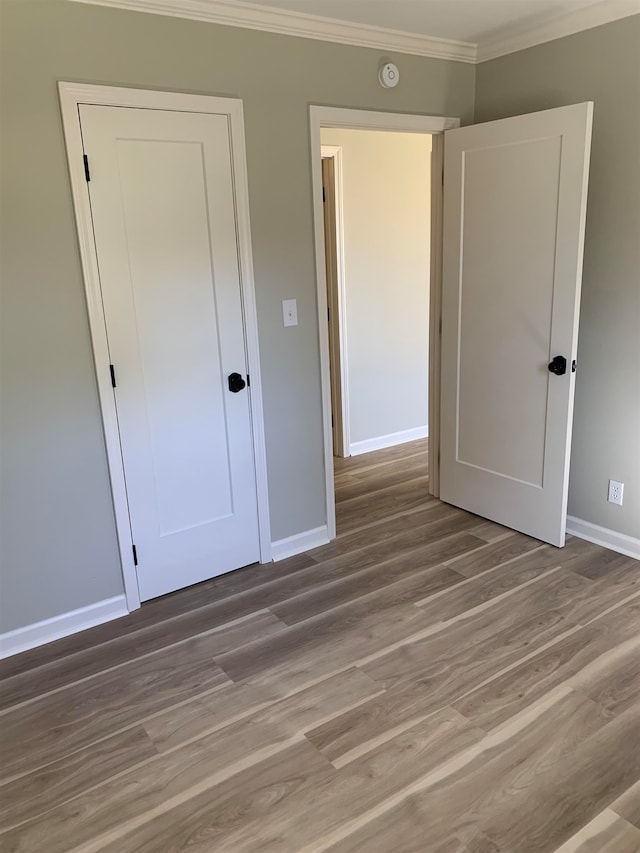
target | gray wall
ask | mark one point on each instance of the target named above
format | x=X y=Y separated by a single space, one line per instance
x=386 y=203
x=58 y=537
x=600 y=65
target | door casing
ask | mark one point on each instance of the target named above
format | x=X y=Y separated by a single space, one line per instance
x=71 y=96
x=338 y=309
x=336 y=117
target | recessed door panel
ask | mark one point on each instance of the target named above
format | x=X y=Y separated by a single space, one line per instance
x=506 y=298
x=165 y=212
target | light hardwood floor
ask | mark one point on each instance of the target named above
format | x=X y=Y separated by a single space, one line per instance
x=429 y=682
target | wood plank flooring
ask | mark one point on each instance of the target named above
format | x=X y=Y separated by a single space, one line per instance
x=430 y=682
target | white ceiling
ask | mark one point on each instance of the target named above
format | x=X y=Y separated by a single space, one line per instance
x=461 y=20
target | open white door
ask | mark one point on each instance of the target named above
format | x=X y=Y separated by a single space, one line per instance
x=514 y=211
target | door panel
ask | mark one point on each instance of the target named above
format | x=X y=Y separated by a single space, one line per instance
x=163 y=210
x=515 y=197
x=164 y=204
x=512 y=250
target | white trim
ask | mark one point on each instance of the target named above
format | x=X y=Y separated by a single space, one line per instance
x=373 y=120
x=390 y=440
x=250 y=313
x=39 y=633
x=335 y=152
x=320 y=117
x=512 y=40
x=435 y=310
x=620 y=542
x=299 y=543
x=236 y=13
x=251 y=16
x=71 y=95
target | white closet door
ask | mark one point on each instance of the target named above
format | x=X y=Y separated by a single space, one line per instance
x=162 y=201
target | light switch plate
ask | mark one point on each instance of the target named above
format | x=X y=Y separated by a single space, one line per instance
x=289 y=312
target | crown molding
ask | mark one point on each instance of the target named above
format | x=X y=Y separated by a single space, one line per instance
x=563 y=25
x=237 y=13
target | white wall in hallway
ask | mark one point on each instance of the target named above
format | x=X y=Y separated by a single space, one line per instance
x=386 y=201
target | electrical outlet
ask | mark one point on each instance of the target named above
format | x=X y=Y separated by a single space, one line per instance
x=615 y=492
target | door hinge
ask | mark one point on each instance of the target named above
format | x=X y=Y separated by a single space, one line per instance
x=248 y=381
x=135 y=556
x=329 y=314
x=324 y=195
x=85 y=160
x=112 y=371
x=332 y=423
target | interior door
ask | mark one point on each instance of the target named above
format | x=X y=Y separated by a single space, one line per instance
x=162 y=203
x=514 y=211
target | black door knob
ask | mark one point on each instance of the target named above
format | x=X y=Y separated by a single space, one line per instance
x=236 y=383
x=558 y=365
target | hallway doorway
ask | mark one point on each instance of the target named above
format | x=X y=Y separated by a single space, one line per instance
x=376 y=217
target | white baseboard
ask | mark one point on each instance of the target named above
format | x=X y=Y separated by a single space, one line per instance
x=382 y=441
x=300 y=542
x=628 y=545
x=23 y=639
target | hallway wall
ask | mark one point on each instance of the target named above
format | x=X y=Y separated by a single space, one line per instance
x=386 y=208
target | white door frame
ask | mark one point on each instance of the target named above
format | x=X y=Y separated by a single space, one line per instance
x=71 y=96
x=335 y=153
x=336 y=117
